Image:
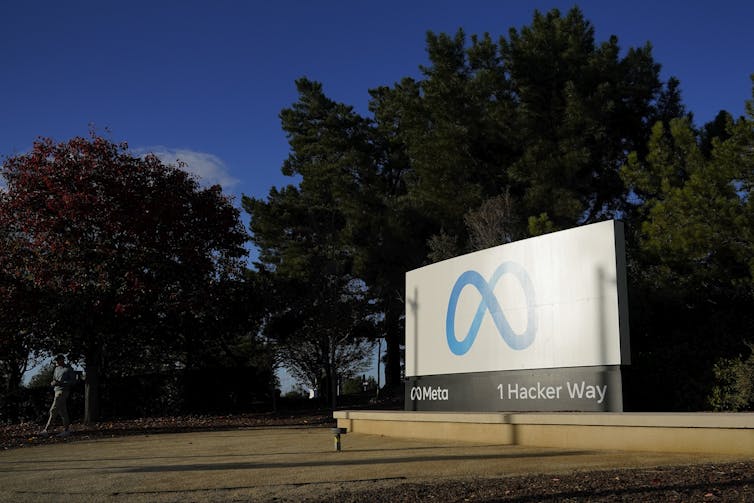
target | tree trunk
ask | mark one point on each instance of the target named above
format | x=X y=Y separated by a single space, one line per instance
x=393 y=337
x=392 y=361
x=13 y=381
x=274 y=389
x=11 y=387
x=333 y=390
x=91 y=387
x=331 y=384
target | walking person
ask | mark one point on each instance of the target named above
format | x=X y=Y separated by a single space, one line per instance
x=62 y=382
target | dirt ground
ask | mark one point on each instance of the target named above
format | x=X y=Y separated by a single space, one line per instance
x=732 y=482
x=292 y=458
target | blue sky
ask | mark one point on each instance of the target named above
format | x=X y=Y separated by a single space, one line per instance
x=205 y=81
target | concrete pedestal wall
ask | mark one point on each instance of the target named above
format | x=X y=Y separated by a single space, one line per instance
x=719 y=433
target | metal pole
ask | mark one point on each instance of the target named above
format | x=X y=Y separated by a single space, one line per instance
x=379 y=357
x=336 y=436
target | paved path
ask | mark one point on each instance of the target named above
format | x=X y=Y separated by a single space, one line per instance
x=288 y=464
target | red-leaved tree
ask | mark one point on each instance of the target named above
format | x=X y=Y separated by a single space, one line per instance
x=120 y=249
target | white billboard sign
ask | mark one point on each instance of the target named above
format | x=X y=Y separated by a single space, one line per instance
x=553 y=301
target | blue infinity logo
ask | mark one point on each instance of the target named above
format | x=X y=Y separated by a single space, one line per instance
x=489 y=303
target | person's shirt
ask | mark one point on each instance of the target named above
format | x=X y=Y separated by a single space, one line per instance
x=63 y=377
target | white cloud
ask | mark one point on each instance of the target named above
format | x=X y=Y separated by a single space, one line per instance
x=208 y=168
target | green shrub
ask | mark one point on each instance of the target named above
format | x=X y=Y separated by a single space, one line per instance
x=734 y=388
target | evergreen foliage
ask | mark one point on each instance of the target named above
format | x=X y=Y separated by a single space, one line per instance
x=544 y=128
x=498 y=140
x=692 y=261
